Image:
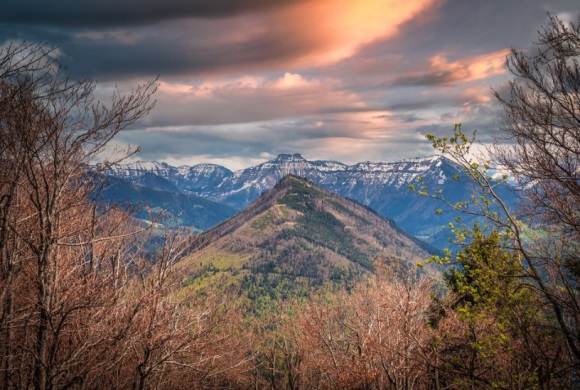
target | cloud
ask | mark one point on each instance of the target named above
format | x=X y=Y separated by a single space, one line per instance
x=249 y=99
x=403 y=117
x=441 y=72
x=327 y=31
x=349 y=141
x=111 y=39
x=343 y=79
x=127 y=12
x=292 y=80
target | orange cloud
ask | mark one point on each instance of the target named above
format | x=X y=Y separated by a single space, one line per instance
x=292 y=80
x=478 y=94
x=441 y=72
x=250 y=99
x=332 y=30
x=471 y=68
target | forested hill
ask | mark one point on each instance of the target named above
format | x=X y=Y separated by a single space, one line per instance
x=300 y=230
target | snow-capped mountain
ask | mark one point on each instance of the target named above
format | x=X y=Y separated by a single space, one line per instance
x=245 y=185
x=383 y=186
x=137 y=169
x=202 y=177
x=194 y=178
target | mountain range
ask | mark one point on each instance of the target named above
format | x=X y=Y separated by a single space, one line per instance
x=382 y=186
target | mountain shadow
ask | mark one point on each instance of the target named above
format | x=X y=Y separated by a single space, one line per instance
x=157 y=196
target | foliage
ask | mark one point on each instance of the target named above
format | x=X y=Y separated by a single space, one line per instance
x=539 y=242
x=499 y=318
x=484 y=272
x=319 y=226
x=325 y=229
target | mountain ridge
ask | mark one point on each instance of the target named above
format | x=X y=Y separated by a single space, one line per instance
x=382 y=186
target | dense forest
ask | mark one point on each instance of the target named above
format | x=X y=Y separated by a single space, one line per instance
x=90 y=297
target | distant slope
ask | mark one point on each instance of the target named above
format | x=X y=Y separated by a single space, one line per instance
x=186 y=209
x=153 y=181
x=300 y=230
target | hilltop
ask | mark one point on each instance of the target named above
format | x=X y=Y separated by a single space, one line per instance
x=298 y=230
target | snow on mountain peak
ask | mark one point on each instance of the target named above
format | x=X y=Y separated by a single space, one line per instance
x=216 y=181
x=425 y=159
x=289 y=157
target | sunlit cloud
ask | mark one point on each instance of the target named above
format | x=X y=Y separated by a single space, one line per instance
x=292 y=80
x=442 y=72
x=241 y=81
x=294 y=35
x=472 y=68
x=250 y=99
x=332 y=30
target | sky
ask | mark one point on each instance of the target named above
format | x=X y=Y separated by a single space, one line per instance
x=241 y=81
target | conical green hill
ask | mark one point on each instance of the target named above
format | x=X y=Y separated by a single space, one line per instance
x=297 y=229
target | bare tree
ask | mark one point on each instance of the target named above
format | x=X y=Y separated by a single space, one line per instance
x=542 y=118
x=376 y=337
x=51 y=128
x=82 y=304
